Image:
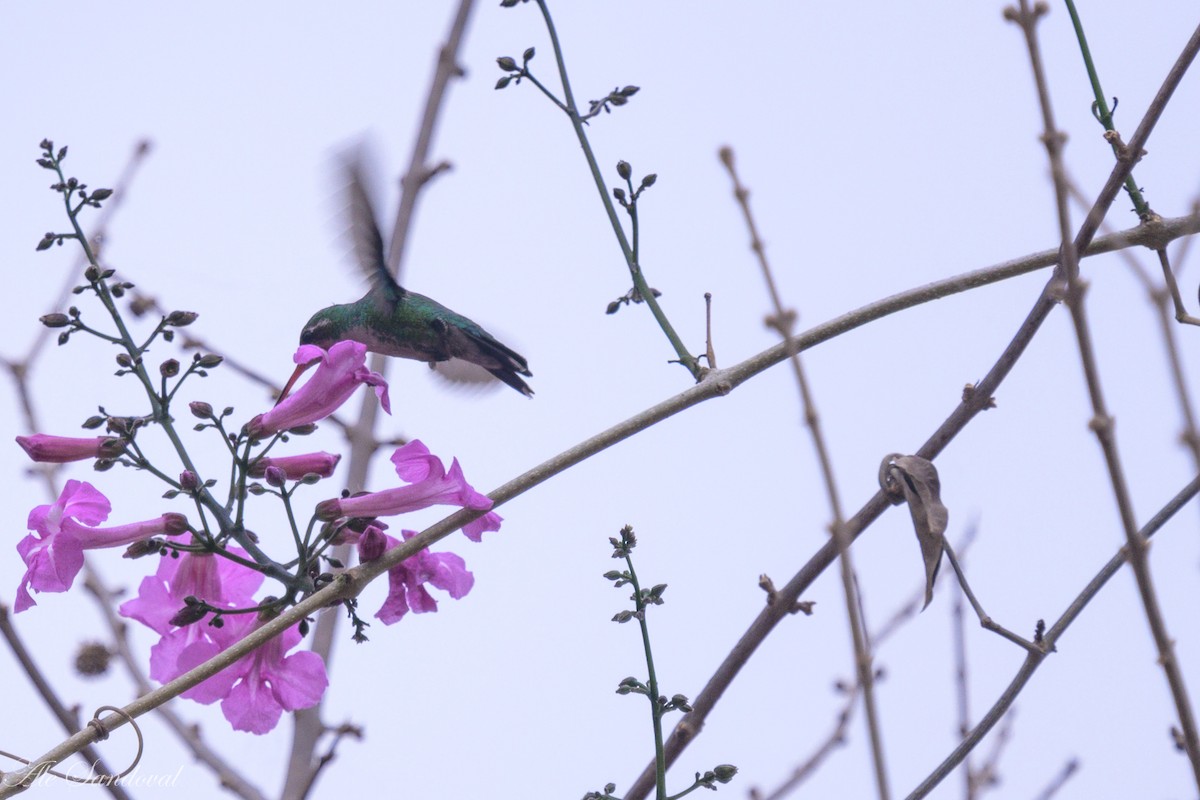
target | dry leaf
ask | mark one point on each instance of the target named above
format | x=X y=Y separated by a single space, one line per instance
x=914 y=480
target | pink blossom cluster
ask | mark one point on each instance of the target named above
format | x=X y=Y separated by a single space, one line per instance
x=256 y=690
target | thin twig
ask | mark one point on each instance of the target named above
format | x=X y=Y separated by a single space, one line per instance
x=1034 y=659
x=961 y=684
x=907 y=612
x=1159 y=297
x=783 y=320
x=1064 y=775
x=985 y=621
x=1102 y=422
x=67 y=718
x=972 y=403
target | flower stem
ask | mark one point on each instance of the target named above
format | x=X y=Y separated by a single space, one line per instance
x=1104 y=114
x=635 y=269
x=660 y=779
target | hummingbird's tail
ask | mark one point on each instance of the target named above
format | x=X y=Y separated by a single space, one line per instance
x=511 y=377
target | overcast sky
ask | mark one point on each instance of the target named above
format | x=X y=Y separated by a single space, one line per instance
x=886 y=146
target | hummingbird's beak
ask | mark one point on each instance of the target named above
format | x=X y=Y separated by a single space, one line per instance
x=300 y=370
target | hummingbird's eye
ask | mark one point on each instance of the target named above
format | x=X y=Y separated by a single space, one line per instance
x=316 y=332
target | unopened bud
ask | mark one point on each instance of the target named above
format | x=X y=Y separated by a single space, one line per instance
x=179 y=319
x=56 y=320
x=189 y=481
x=624 y=170
x=201 y=409
x=143 y=548
x=111 y=448
x=507 y=63
x=275 y=477
x=169 y=368
x=209 y=360
x=191 y=613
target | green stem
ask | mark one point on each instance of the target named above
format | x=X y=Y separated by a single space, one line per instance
x=160 y=415
x=287 y=505
x=660 y=762
x=635 y=269
x=1105 y=114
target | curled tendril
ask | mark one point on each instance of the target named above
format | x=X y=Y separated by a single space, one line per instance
x=1096 y=109
x=95 y=724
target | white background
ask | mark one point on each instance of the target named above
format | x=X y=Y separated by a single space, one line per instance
x=886 y=146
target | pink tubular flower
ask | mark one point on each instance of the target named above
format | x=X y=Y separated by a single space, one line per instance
x=406 y=580
x=220 y=583
x=340 y=371
x=267 y=682
x=217 y=581
x=429 y=484
x=48 y=449
x=296 y=467
x=53 y=555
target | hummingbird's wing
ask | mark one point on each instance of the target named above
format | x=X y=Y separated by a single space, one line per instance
x=362 y=226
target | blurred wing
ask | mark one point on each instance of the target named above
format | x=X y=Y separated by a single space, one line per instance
x=464 y=376
x=362 y=226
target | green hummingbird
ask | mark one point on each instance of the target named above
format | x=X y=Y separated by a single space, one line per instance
x=394 y=321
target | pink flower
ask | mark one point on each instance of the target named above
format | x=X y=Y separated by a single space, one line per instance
x=406 y=580
x=267 y=682
x=296 y=467
x=429 y=484
x=61 y=449
x=53 y=555
x=340 y=371
x=217 y=581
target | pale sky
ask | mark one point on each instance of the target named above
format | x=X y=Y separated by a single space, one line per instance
x=885 y=147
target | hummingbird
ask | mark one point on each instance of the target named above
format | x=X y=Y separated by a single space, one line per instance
x=394 y=321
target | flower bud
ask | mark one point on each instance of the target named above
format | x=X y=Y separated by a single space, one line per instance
x=372 y=545
x=169 y=368
x=624 y=170
x=275 y=477
x=209 y=360
x=47 y=449
x=112 y=447
x=725 y=772
x=191 y=613
x=201 y=409
x=143 y=548
x=179 y=319
x=175 y=524
x=56 y=320
x=327 y=510
x=189 y=481
x=507 y=63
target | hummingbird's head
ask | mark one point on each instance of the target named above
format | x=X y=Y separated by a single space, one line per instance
x=322 y=330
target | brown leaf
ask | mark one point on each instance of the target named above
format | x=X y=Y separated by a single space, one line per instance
x=914 y=480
